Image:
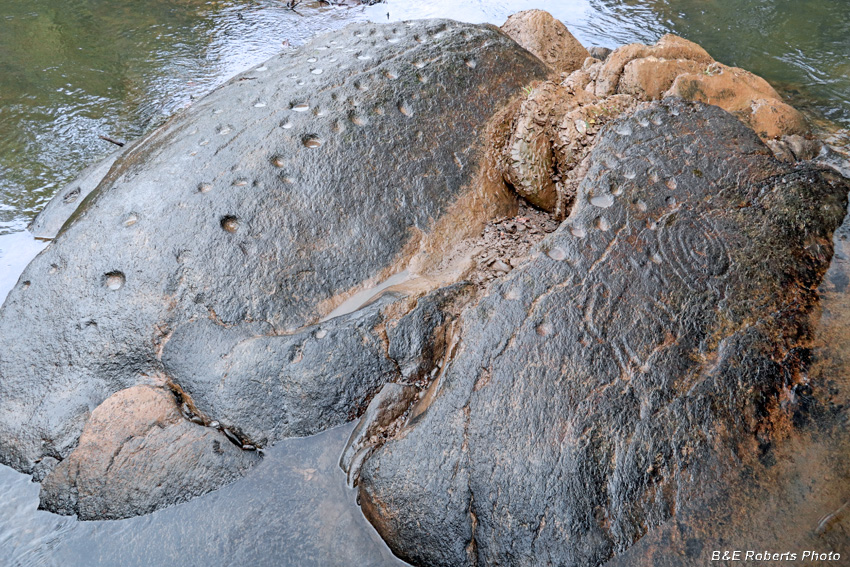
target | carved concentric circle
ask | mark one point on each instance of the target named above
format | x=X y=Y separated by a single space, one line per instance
x=695 y=251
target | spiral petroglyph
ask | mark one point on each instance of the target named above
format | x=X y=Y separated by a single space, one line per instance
x=694 y=249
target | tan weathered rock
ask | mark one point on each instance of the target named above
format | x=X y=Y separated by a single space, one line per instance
x=668 y=47
x=730 y=88
x=553 y=129
x=138 y=453
x=609 y=75
x=547 y=38
x=671 y=46
x=649 y=78
x=771 y=118
x=677 y=67
x=584 y=78
x=528 y=161
x=576 y=134
x=745 y=95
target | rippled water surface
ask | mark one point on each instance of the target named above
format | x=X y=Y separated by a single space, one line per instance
x=73 y=71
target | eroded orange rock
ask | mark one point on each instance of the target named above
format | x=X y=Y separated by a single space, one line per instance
x=649 y=78
x=529 y=162
x=668 y=47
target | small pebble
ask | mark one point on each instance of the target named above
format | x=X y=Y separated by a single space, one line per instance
x=232 y=436
x=500 y=266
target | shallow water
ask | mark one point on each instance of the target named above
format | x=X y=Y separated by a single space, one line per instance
x=72 y=71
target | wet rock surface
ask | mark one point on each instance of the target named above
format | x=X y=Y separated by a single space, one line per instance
x=267 y=388
x=794 y=495
x=646 y=352
x=57 y=212
x=254 y=214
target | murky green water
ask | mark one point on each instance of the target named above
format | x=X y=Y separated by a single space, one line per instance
x=71 y=71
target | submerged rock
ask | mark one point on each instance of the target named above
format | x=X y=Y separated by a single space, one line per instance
x=243 y=222
x=601 y=384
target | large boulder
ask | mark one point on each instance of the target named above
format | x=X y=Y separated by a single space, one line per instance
x=802 y=474
x=639 y=359
x=241 y=224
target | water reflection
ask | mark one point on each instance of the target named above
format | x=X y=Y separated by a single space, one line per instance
x=71 y=71
x=293 y=509
x=16 y=251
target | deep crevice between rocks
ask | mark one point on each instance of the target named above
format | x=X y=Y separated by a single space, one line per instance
x=190 y=412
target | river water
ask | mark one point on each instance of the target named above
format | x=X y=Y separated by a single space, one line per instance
x=73 y=71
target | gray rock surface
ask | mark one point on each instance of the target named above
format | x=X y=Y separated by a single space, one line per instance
x=259 y=209
x=415 y=341
x=642 y=356
x=60 y=208
x=272 y=387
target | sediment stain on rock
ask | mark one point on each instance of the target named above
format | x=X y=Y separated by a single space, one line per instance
x=138 y=453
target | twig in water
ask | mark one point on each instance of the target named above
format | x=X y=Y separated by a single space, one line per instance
x=111 y=141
